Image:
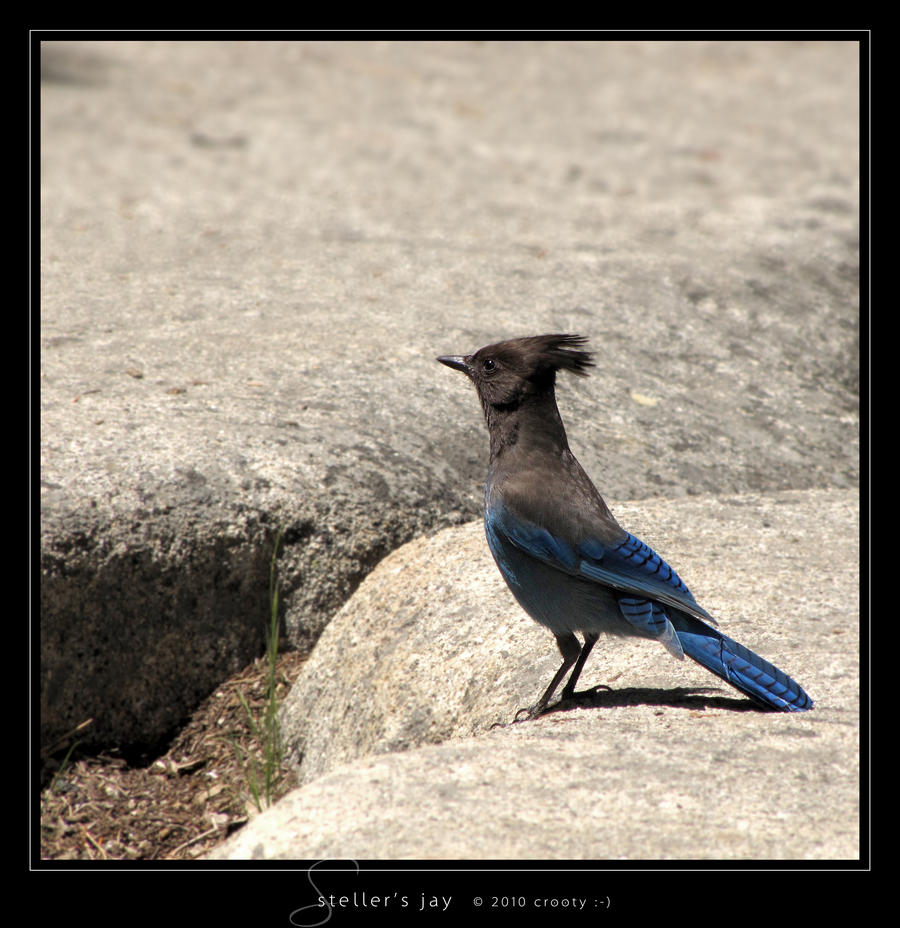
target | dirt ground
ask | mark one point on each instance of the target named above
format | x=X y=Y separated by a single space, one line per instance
x=178 y=806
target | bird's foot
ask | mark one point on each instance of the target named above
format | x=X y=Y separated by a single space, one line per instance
x=583 y=696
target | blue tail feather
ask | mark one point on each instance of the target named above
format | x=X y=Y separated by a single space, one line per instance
x=739 y=666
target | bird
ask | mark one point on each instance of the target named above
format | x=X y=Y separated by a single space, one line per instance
x=566 y=559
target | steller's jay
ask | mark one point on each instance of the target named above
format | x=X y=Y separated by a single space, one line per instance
x=570 y=565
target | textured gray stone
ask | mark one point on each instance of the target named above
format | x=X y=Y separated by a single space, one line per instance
x=252 y=251
x=582 y=786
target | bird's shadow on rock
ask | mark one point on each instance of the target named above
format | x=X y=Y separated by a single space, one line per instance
x=680 y=697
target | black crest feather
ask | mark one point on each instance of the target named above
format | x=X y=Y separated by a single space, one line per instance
x=541 y=354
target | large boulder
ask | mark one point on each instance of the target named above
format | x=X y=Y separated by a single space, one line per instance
x=393 y=720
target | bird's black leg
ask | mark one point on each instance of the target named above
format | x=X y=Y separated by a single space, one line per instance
x=590 y=639
x=571 y=651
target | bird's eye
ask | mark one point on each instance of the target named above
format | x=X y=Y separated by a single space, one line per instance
x=489 y=365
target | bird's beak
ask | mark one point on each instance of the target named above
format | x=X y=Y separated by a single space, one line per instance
x=457 y=363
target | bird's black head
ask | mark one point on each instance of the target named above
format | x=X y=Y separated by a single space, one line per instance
x=507 y=373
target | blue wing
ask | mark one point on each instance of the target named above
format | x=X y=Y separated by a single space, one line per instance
x=620 y=561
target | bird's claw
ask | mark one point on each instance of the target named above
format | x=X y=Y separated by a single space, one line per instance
x=530 y=712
